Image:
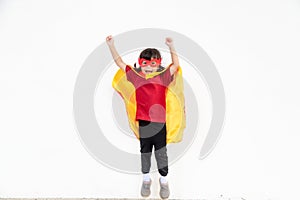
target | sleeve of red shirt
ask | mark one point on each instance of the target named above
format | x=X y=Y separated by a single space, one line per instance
x=130 y=75
x=167 y=78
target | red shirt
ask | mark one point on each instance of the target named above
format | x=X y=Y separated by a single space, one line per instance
x=150 y=95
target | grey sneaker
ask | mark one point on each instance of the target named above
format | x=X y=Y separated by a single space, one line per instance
x=145 y=190
x=164 y=190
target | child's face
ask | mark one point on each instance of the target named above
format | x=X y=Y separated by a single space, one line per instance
x=149 y=66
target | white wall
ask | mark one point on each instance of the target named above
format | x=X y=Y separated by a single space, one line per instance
x=255 y=46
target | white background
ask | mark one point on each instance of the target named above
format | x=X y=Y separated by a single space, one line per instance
x=254 y=45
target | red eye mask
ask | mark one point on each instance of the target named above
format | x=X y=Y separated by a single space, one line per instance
x=154 y=62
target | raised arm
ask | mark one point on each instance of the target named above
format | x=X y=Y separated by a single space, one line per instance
x=175 y=60
x=118 y=60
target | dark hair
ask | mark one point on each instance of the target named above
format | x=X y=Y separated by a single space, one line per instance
x=148 y=54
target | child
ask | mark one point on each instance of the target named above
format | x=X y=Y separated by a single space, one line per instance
x=150 y=81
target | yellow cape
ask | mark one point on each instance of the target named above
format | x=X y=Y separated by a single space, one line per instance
x=175 y=110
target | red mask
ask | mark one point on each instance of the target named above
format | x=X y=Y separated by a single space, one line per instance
x=154 y=62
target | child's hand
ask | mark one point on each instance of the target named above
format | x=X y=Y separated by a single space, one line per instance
x=169 y=41
x=109 y=40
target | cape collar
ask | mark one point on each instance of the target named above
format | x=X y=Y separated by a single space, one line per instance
x=147 y=76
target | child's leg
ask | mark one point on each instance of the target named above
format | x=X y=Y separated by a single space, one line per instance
x=160 y=142
x=146 y=151
x=145 y=147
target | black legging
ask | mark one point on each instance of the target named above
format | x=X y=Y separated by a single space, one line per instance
x=153 y=134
